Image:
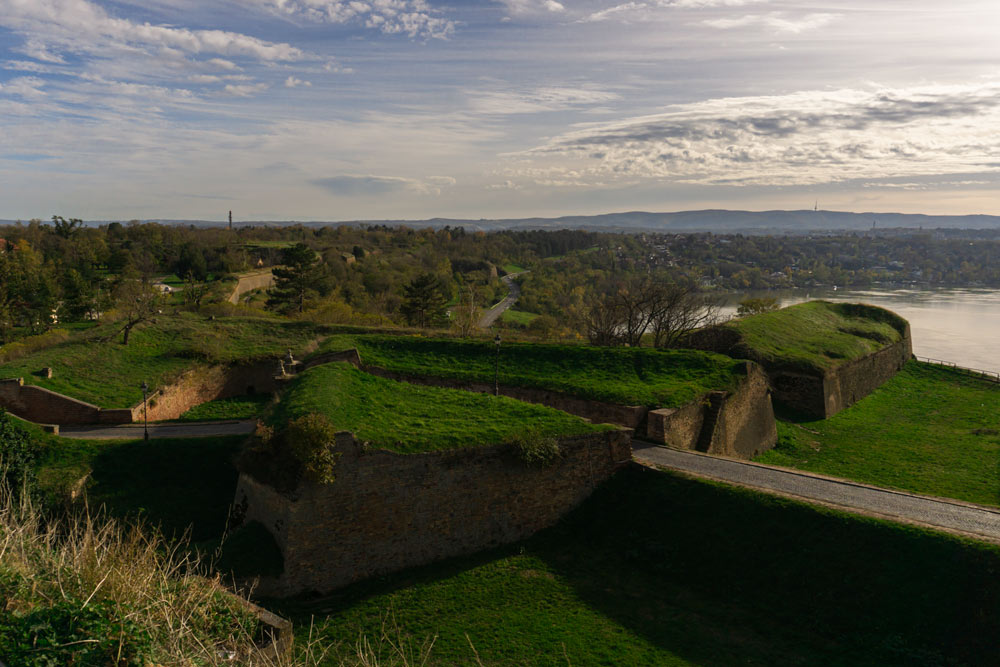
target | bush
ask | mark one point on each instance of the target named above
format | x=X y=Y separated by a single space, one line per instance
x=535 y=449
x=309 y=439
x=18 y=454
x=31 y=344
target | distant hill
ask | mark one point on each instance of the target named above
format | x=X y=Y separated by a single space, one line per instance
x=711 y=220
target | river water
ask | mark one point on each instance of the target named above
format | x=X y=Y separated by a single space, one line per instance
x=960 y=325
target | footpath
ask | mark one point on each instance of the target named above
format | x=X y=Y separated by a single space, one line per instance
x=158 y=430
x=950 y=515
x=496 y=311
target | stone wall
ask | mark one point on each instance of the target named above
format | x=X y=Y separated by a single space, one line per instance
x=41 y=405
x=250 y=282
x=387 y=511
x=741 y=425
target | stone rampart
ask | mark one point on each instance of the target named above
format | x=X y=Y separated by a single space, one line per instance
x=38 y=404
x=250 y=282
x=815 y=392
x=387 y=511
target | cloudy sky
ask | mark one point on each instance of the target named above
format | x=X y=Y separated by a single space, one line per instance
x=347 y=109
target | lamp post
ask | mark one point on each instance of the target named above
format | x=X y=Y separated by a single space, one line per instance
x=145 y=420
x=496 y=367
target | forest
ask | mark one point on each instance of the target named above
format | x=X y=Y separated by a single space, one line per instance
x=62 y=272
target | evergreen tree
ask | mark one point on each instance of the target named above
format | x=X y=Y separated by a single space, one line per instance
x=296 y=280
x=424 y=303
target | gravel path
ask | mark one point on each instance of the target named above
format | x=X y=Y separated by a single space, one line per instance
x=496 y=311
x=173 y=430
x=952 y=515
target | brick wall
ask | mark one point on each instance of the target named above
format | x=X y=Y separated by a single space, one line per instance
x=388 y=511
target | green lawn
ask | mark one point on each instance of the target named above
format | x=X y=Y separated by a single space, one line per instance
x=817 y=334
x=656 y=569
x=410 y=418
x=930 y=429
x=517 y=317
x=236 y=407
x=171 y=483
x=631 y=376
x=108 y=374
x=513 y=268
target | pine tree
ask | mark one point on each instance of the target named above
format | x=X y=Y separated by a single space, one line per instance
x=295 y=281
x=424 y=302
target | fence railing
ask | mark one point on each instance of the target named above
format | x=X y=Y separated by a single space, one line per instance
x=992 y=376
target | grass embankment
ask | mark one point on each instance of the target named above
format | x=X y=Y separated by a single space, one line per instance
x=108 y=374
x=519 y=318
x=658 y=569
x=818 y=335
x=930 y=429
x=236 y=407
x=409 y=418
x=627 y=376
x=513 y=268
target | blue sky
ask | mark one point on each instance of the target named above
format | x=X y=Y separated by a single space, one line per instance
x=369 y=109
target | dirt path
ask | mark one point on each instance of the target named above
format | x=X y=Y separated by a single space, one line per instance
x=249 y=282
x=172 y=430
x=496 y=311
x=943 y=513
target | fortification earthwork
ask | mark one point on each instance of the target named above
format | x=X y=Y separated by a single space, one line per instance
x=388 y=511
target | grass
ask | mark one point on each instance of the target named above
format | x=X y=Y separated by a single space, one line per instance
x=513 y=268
x=518 y=317
x=630 y=376
x=659 y=569
x=108 y=374
x=930 y=429
x=236 y=407
x=175 y=484
x=818 y=334
x=409 y=418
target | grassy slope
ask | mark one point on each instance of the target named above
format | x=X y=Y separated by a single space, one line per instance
x=658 y=569
x=518 y=317
x=410 y=418
x=108 y=374
x=171 y=483
x=818 y=334
x=631 y=376
x=930 y=429
x=236 y=407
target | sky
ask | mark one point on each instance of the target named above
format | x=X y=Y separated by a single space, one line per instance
x=410 y=109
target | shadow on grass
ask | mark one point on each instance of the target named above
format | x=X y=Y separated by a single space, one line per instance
x=659 y=569
x=713 y=572
x=170 y=483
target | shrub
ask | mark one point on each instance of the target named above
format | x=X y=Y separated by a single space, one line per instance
x=309 y=439
x=31 y=344
x=535 y=449
x=18 y=454
x=756 y=306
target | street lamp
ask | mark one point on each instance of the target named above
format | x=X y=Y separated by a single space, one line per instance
x=496 y=367
x=145 y=420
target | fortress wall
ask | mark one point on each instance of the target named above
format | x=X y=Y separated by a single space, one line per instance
x=746 y=425
x=251 y=282
x=38 y=404
x=630 y=416
x=848 y=383
x=387 y=511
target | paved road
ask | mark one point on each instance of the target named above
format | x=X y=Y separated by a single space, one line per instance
x=496 y=311
x=134 y=431
x=898 y=505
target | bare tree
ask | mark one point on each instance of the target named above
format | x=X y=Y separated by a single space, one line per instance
x=136 y=301
x=466 y=315
x=682 y=309
x=628 y=311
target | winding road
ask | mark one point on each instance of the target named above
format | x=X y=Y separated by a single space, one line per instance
x=942 y=513
x=496 y=311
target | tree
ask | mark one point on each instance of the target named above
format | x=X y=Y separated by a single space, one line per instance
x=18 y=453
x=466 y=315
x=64 y=228
x=682 y=309
x=424 y=302
x=136 y=302
x=296 y=280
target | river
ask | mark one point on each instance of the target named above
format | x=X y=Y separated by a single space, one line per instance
x=961 y=325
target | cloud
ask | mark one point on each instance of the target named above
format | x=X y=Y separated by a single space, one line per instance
x=414 y=18
x=244 y=89
x=26 y=87
x=618 y=11
x=350 y=185
x=525 y=7
x=776 y=21
x=551 y=98
x=79 y=26
x=26 y=66
x=292 y=82
x=801 y=138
